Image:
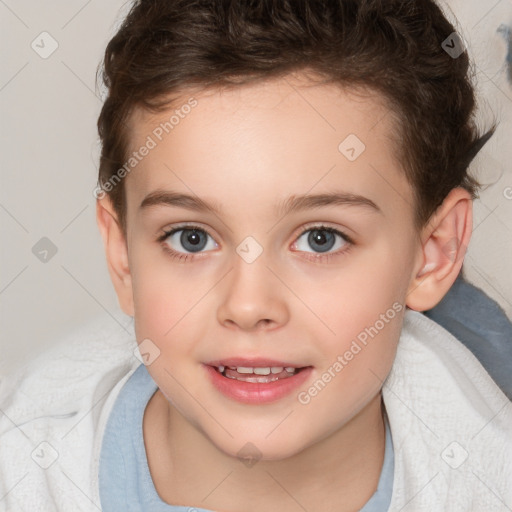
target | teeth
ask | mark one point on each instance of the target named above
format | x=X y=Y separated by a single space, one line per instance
x=264 y=371
x=261 y=371
x=243 y=369
x=258 y=370
x=263 y=379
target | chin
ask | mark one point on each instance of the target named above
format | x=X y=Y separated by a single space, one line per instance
x=253 y=448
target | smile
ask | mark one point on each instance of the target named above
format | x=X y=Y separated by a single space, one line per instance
x=257 y=374
x=252 y=384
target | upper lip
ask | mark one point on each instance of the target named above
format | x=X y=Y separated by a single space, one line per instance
x=256 y=362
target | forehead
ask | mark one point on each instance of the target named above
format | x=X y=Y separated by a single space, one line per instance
x=268 y=141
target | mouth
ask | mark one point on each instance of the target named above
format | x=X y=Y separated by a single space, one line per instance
x=259 y=374
x=256 y=381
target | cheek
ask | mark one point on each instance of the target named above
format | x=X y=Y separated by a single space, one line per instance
x=351 y=376
x=169 y=310
x=360 y=314
x=165 y=315
x=157 y=304
x=354 y=297
x=163 y=292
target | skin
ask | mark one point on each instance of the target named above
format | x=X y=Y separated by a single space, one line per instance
x=247 y=150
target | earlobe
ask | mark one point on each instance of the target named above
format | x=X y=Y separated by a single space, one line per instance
x=116 y=252
x=444 y=243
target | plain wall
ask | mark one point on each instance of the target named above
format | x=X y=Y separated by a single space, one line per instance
x=49 y=107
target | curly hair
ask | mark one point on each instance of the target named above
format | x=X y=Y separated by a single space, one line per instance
x=392 y=47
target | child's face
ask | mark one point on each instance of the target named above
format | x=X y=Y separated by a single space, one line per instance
x=248 y=151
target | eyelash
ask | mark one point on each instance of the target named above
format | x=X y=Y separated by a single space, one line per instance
x=180 y=256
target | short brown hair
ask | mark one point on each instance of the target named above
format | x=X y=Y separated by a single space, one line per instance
x=393 y=47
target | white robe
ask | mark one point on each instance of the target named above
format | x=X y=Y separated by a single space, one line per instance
x=451 y=425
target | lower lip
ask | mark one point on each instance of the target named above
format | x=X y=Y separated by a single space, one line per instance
x=257 y=392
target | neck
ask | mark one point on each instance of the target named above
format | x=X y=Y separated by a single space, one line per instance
x=341 y=471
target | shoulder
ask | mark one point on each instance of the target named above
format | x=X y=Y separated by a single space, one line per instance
x=70 y=369
x=426 y=347
x=450 y=422
x=52 y=412
x=480 y=324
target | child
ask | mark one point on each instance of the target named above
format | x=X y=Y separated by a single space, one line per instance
x=283 y=189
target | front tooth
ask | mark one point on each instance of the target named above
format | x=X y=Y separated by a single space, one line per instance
x=276 y=369
x=243 y=369
x=262 y=371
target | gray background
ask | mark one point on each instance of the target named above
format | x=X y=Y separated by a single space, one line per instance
x=49 y=107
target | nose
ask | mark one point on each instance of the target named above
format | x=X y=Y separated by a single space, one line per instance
x=252 y=298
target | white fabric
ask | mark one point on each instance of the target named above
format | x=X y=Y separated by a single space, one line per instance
x=442 y=405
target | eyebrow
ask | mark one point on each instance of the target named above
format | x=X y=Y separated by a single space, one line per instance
x=294 y=203
x=308 y=201
x=167 y=198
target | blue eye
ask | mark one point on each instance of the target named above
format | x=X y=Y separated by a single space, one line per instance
x=191 y=239
x=322 y=239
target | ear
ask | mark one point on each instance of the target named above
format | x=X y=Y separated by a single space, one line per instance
x=116 y=250
x=444 y=241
